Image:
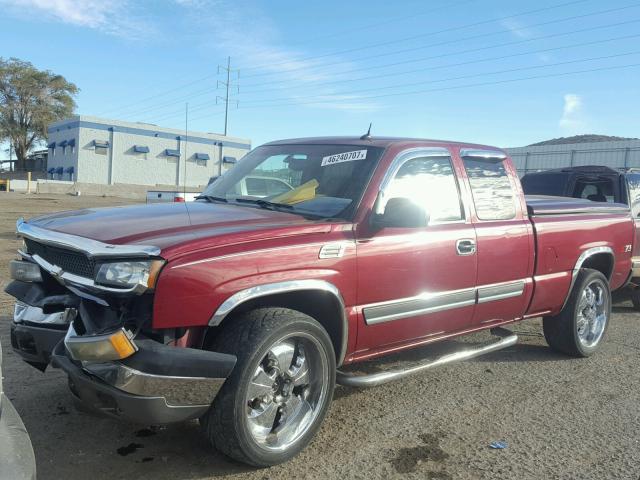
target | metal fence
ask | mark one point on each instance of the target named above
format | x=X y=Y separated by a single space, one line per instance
x=618 y=155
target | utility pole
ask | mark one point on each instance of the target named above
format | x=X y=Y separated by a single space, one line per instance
x=227 y=86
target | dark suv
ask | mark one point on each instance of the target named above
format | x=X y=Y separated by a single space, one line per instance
x=599 y=184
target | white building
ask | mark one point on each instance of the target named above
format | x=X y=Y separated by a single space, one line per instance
x=95 y=150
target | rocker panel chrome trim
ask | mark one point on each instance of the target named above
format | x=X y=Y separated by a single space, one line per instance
x=283 y=287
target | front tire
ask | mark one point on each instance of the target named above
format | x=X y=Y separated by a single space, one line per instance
x=274 y=401
x=579 y=328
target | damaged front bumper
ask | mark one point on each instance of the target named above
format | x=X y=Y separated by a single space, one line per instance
x=151 y=383
x=159 y=384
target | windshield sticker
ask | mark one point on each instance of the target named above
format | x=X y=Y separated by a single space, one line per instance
x=344 y=157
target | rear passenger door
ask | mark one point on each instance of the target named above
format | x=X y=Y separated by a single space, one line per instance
x=503 y=235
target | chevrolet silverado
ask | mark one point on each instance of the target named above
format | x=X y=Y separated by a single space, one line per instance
x=243 y=311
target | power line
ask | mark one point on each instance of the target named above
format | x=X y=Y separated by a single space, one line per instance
x=413 y=37
x=457 y=87
x=206 y=91
x=208 y=105
x=420 y=59
x=306 y=68
x=160 y=94
x=351 y=30
x=461 y=77
x=439 y=67
x=473 y=50
x=296 y=103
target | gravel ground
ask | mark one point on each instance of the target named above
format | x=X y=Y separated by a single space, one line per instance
x=561 y=418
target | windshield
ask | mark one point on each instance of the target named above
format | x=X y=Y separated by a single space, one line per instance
x=315 y=180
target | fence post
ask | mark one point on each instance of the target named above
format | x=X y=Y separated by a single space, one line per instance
x=28 y=182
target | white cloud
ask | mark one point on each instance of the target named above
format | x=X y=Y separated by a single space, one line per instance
x=517 y=28
x=252 y=40
x=114 y=17
x=573 y=120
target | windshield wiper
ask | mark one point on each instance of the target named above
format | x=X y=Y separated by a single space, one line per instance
x=265 y=203
x=212 y=198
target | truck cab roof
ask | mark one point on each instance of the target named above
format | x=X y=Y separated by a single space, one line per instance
x=382 y=142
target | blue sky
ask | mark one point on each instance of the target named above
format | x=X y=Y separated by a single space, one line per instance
x=434 y=69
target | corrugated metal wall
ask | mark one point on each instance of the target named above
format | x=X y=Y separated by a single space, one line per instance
x=618 y=154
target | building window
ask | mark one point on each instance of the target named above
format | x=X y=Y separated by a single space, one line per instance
x=72 y=144
x=63 y=145
x=202 y=159
x=100 y=147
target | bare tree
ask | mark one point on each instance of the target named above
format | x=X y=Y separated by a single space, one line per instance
x=30 y=99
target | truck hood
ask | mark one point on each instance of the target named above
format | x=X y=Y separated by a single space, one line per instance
x=172 y=225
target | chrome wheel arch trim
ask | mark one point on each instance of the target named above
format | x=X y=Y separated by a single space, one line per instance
x=92 y=248
x=268 y=289
x=589 y=252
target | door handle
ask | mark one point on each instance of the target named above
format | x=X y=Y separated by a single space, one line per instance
x=466 y=246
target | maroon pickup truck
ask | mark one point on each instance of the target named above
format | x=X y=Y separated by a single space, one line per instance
x=245 y=310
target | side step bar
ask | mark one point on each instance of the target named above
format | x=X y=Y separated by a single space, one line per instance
x=507 y=339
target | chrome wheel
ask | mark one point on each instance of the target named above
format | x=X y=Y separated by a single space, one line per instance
x=287 y=391
x=592 y=312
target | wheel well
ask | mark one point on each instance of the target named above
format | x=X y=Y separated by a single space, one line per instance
x=603 y=262
x=320 y=305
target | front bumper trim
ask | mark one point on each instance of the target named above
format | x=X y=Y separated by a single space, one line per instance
x=177 y=391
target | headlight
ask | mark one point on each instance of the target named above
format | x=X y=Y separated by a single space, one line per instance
x=129 y=274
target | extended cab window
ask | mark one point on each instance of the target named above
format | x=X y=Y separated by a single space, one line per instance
x=431 y=183
x=491 y=189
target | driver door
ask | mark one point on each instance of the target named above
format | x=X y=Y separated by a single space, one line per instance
x=417 y=282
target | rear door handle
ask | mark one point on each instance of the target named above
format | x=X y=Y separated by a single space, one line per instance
x=466 y=246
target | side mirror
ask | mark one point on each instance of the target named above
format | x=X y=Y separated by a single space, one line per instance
x=399 y=212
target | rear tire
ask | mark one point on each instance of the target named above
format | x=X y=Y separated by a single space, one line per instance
x=579 y=328
x=277 y=395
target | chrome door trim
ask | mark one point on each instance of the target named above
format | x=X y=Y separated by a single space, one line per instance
x=419 y=305
x=92 y=248
x=437 y=302
x=500 y=292
x=258 y=291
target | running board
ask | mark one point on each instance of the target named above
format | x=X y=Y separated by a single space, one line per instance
x=507 y=339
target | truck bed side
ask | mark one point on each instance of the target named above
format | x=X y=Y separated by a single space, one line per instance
x=569 y=232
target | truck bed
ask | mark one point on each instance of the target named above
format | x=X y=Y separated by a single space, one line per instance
x=538 y=205
x=600 y=225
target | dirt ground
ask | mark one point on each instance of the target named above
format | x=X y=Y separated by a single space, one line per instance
x=561 y=418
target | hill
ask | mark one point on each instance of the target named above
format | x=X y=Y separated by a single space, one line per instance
x=580 y=139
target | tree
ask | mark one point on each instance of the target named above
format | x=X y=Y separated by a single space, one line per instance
x=30 y=99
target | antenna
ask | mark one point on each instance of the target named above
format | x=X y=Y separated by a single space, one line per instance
x=367 y=136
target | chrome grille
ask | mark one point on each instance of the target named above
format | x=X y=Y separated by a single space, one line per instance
x=68 y=260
